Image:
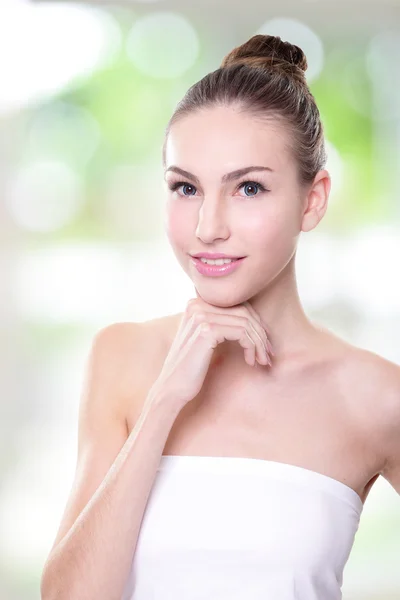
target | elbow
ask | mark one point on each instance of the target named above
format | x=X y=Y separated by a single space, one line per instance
x=50 y=585
x=47 y=591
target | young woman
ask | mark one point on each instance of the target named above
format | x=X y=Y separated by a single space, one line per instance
x=226 y=452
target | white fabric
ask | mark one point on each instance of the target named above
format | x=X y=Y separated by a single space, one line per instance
x=228 y=528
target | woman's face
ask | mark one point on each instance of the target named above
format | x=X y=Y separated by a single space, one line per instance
x=257 y=215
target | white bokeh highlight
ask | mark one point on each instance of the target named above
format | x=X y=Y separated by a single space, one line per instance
x=61 y=128
x=383 y=68
x=44 y=196
x=163 y=44
x=52 y=45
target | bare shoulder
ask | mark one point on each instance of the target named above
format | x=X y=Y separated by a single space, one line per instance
x=382 y=388
x=372 y=383
x=134 y=353
x=112 y=348
x=375 y=378
x=124 y=340
x=118 y=365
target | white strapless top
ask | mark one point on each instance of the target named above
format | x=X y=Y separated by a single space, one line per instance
x=229 y=528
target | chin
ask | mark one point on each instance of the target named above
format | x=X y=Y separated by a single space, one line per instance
x=223 y=300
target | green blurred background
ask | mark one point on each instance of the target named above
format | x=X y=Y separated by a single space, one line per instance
x=86 y=90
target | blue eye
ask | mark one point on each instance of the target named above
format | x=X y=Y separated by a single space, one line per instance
x=254 y=184
x=177 y=184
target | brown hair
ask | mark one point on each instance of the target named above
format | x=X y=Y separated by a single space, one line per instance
x=265 y=77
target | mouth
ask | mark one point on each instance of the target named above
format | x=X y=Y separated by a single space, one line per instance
x=206 y=260
x=216 y=256
x=217 y=266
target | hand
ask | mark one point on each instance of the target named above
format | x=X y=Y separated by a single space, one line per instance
x=203 y=326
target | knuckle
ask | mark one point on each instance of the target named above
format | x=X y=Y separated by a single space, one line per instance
x=199 y=316
x=247 y=335
x=248 y=329
x=243 y=312
x=205 y=327
x=190 y=307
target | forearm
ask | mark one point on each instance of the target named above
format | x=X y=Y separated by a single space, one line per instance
x=93 y=560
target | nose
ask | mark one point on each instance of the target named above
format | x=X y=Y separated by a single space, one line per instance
x=213 y=222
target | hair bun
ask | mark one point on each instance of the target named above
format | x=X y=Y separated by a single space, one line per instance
x=268 y=50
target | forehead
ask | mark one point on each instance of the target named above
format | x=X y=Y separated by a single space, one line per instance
x=224 y=137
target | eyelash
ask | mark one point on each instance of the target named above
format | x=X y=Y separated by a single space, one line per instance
x=175 y=185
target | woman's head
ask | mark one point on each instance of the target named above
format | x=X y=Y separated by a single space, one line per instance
x=255 y=110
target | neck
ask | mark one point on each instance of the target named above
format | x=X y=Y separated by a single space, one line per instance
x=289 y=329
x=279 y=306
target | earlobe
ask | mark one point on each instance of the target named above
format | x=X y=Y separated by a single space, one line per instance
x=310 y=221
x=316 y=201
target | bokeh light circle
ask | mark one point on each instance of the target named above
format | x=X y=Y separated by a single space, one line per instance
x=44 y=196
x=162 y=44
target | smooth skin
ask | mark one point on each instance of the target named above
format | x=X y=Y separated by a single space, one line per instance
x=345 y=395
x=323 y=403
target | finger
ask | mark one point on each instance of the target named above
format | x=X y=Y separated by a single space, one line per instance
x=250 y=353
x=185 y=329
x=221 y=332
x=260 y=320
x=200 y=304
x=224 y=319
x=260 y=333
x=257 y=324
x=253 y=311
x=245 y=313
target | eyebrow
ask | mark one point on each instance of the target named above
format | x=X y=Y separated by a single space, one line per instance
x=225 y=178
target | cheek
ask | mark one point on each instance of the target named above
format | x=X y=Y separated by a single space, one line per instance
x=176 y=226
x=274 y=229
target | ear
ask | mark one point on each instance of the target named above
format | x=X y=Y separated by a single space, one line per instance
x=316 y=201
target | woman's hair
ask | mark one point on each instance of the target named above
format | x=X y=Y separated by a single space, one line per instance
x=265 y=78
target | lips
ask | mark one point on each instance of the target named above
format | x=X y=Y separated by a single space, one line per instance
x=225 y=258
x=214 y=270
x=215 y=256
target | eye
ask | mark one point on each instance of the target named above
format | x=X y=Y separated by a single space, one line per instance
x=255 y=185
x=177 y=184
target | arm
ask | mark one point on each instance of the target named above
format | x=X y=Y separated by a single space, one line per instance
x=390 y=431
x=94 y=547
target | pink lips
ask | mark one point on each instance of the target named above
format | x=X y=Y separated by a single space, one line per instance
x=216 y=270
x=214 y=255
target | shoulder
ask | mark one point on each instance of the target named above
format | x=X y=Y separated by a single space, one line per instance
x=122 y=340
x=385 y=392
x=129 y=354
x=364 y=372
x=373 y=386
x=372 y=380
x=376 y=377
x=111 y=348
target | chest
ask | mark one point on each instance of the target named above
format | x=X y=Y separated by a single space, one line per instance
x=302 y=418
